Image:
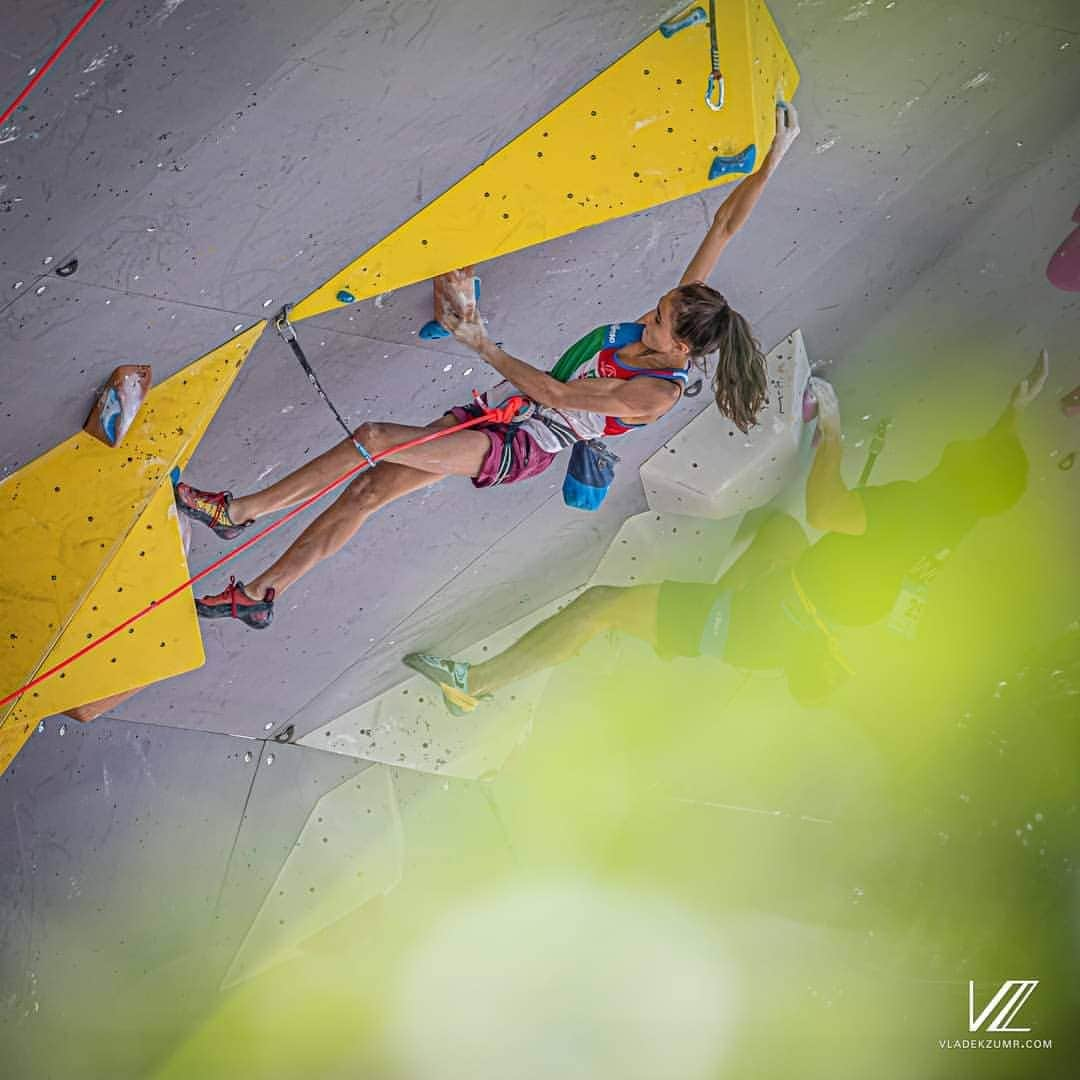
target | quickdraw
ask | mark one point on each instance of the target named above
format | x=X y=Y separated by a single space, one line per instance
x=715 y=86
x=288 y=334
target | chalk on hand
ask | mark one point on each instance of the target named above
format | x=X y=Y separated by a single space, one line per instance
x=450 y=292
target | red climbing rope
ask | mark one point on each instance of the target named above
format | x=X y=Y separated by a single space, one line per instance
x=49 y=63
x=501 y=415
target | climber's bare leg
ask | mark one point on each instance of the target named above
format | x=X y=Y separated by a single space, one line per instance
x=336 y=525
x=599 y=608
x=460 y=454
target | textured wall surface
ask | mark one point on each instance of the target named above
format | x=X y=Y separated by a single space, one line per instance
x=208 y=162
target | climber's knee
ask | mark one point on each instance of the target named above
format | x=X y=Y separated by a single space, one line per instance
x=371 y=435
x=631 y=608
x=363 y=494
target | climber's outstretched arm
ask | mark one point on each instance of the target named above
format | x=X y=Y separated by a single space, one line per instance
x=641 y=398
x=735 y=209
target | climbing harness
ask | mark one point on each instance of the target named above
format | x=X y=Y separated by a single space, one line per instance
x=501 y=415
x=715 y=87
x=288 y=334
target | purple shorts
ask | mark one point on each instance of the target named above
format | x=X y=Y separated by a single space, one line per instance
x=513 y=454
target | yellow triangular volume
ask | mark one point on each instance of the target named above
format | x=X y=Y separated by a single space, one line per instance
x=69 y=515
x=167 y=642
x=637 y=135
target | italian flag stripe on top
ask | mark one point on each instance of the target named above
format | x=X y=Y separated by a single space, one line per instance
x=579 y=353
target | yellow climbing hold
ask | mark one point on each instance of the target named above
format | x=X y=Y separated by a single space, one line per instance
x=637 y=135
x=90 y=537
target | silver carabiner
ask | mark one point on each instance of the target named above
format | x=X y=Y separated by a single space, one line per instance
x=282 y=324
x=715 y=87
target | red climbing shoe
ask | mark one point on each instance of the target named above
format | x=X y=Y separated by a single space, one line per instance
x=209 y=507
x=234 y=603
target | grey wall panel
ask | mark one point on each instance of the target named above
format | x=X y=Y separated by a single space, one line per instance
x=289 y=782
x=115 y=846
x=142 y=84
x=61 y=346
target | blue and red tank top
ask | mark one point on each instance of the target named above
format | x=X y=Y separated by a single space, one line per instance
x=595 y=356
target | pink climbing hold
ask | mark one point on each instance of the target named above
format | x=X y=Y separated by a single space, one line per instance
x=809 y=405
x=1063 y=270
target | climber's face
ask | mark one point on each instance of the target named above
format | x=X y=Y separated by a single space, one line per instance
x=659 y=332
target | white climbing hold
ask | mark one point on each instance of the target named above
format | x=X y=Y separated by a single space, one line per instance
x=748 y=470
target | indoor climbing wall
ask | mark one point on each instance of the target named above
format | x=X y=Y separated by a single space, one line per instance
x=349 y=851
x=91 y=537
x=639 y=135
x=698 y=485
x=652 y=547
x=409 y=725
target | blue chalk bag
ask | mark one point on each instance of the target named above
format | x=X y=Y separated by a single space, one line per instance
x=589 y=474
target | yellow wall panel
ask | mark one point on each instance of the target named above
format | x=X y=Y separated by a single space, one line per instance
x=167 y=642
x=70 y=514
x=637 y=135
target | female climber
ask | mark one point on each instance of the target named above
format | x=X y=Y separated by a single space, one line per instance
x=614 y=379
x=776 y=608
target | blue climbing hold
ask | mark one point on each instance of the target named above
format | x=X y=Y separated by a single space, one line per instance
x=346 y=297
x=110 y=414
x=433 y=331
x=673 y=26
x=737 y=163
